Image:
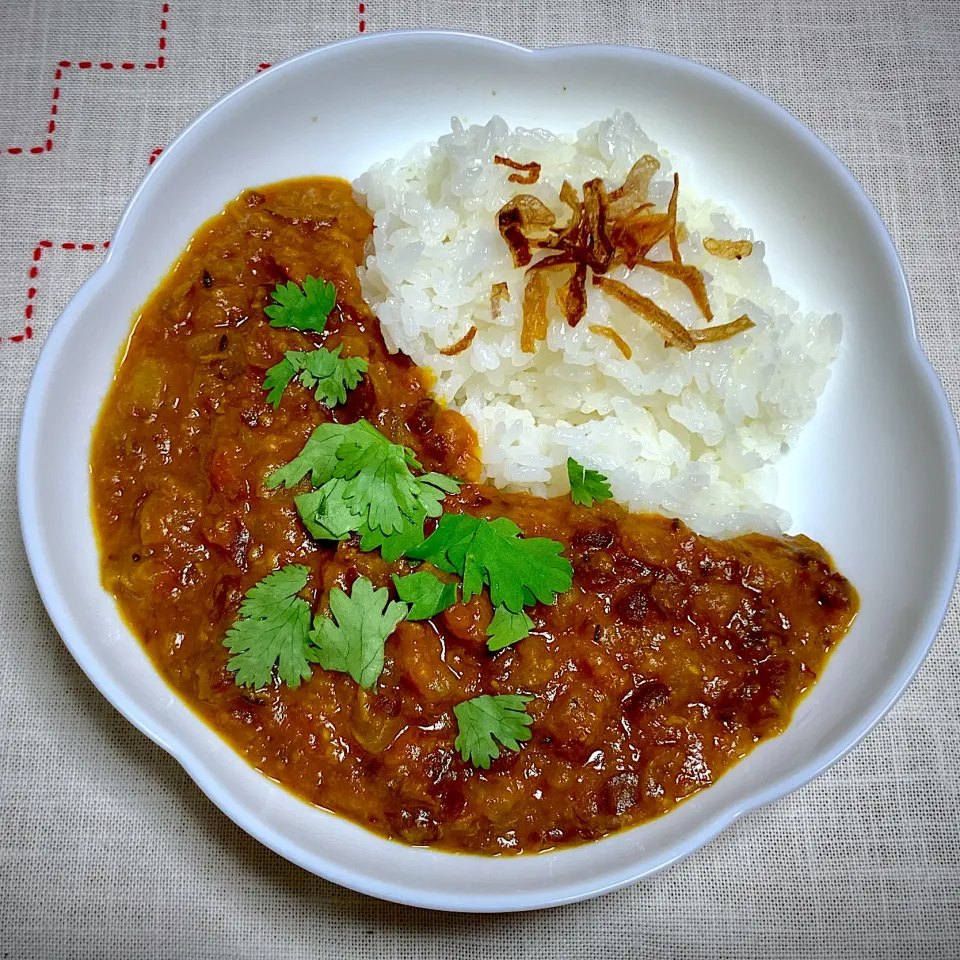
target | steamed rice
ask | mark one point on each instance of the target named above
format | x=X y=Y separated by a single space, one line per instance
x=692 y=435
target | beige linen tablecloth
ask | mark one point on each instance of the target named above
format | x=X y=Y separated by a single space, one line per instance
x=108 y=850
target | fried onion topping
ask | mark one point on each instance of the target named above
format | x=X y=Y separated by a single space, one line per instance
x=518 y=219
x=605 y=229
x=534 y=312
x=461 y=344
x=690 y=276
x=723 y=331
x=633 y=193
x=612 y=335
x=527 y=174
x=499 y=293
x=728 y=249
x=674 y=333
x=572 y=296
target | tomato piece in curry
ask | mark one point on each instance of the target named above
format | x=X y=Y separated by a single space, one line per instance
x=670 y=658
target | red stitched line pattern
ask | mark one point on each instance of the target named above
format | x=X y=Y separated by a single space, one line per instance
x=47 y=146
x=361 y=28
x=34 y=270
x=33 y=273
x=64 y=65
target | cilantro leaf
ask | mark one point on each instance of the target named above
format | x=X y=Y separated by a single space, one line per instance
x=507 y=627
x=302 y=308
x=586 y=485
x=320 y=370
x=484 y=719
x=365 y=485
x=324 y=512
x=395 y=544
x=329 y=376
x=382 y=485
x=318 y=457
x=273 y=629
x=278 y=378
x=328 y=516
x=353 y=640
x=426 y=593
x=442 y=482
x=518 y=571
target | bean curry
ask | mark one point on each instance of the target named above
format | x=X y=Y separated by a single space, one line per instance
x=666 y=661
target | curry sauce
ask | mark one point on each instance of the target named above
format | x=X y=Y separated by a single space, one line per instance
x=671 y=657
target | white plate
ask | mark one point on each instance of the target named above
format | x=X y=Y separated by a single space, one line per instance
x=874 y=479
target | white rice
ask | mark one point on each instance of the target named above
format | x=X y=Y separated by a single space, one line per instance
x=691 y=435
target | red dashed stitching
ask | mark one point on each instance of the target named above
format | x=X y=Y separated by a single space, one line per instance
x=88 y=65
x=62 y=65
x=34 y=271
x=361 y=27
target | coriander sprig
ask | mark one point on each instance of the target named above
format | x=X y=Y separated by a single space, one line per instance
x=518 y=570
x=426 y=593
x=303 y=308
x=352 y=639
x=484 y=720
x=364 y=484
x=507 y=628
x=324 y=371
x=273 y=630
x=586 y=485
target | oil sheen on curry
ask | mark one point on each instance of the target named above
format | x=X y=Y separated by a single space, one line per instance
x=663 y=658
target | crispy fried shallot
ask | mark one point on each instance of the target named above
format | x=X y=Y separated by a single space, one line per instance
x=674 y=333
x=461 y=344
x=565 y=237
x=612 y=334
x=679 y=234
x=675 y=247
x=728 y=249
x=595 y=242
x=528 y=172
x=723 y=331
x=638 y=233
x=572 y=296
x=520 y=217
x=554 y=262
x=633 y=193
x=606 y=229
x=534 y=312
x=569 y=196
x=510 y=230
x=691 y=277
x=498 y=293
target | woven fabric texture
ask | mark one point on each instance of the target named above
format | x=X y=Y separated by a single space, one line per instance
x=108 y=850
